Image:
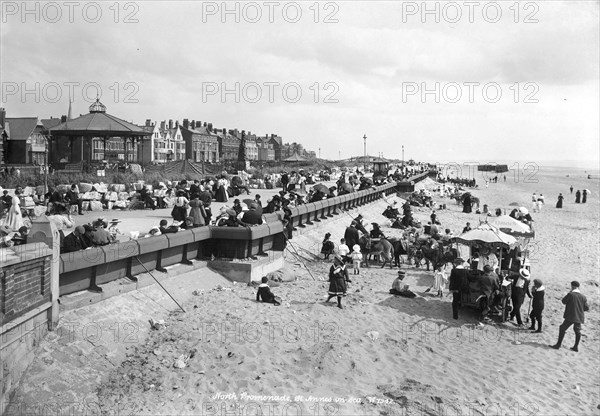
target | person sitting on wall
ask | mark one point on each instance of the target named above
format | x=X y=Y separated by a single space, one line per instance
x=100 y=236
x=252 y=217
x=74 y=241
x=167 y=230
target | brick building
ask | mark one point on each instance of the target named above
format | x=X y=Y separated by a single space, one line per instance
x=201 y=141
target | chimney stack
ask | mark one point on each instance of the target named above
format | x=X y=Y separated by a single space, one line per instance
x=170 y=124
x=193 y=124
x=162 y=125
x=186 y=123
x=209 y=127
x=176 y=123
x=2 y=116
x=148 y=122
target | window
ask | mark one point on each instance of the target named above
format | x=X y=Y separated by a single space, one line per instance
x=121 y=156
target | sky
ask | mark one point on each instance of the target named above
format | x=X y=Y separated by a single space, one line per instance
x=448 y=81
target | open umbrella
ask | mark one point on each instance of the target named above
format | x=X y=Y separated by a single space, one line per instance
x=347 y=187
x=486 y=235
x=248 y=201
x=588 y=191
x=237 y=181
x=511 y=226
x=321 y=187
x=524 y=210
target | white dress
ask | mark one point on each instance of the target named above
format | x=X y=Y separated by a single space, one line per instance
x=14 y=218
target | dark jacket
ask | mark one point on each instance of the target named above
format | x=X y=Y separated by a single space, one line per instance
x=457 y=279
x=72 y=196
x=537 y=304
x=351 y=235
x=575 y=306
x=264 y=293
x=489 y=283
x=252 y=217
x=337 y=281
x=73 y=242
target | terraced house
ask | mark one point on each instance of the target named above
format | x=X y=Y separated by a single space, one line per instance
x=201 y=141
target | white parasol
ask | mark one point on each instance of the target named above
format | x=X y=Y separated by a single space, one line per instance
x=511 y=226
x=487 y=235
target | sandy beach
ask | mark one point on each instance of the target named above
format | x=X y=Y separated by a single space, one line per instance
x=380 y=355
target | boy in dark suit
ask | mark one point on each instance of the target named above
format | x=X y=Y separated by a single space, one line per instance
x=537 y=305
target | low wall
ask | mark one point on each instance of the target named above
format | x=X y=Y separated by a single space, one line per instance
x=27 y=296
x=89 y=268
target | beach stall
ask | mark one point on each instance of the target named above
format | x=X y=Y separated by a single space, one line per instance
x=482 y=237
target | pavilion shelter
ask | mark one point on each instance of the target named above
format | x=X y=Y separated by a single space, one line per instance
x=95 y=137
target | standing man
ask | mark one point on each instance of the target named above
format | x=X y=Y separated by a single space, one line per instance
x=575 y=306
x=571 y=188
x=458 y=275
x=351 y=235
x=285 y=180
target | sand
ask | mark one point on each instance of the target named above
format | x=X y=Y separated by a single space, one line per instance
x=381 y=354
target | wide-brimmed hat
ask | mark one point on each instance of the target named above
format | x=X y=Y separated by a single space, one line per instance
x=231 y=212
x=458 y=260
x=338 y=258
x=115 y=221
x=487 y=268
x=524 y=272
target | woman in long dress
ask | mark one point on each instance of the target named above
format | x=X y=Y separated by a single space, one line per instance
x=221 y=192
x=179 y=212
x=197 y=212
x=560 y=200
x=578 y=196
x=14 y=218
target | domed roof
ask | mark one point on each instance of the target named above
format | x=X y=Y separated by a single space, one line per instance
x=97 y=107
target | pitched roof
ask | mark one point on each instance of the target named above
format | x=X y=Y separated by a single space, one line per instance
x=98 y=123
x=21 y=128
x=50 y=122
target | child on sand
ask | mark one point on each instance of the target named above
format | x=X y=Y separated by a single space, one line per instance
x=537 y=305
x=343 y=250
x=328 y=246
x=439 y=281
x=264 y=293
x=356 y=257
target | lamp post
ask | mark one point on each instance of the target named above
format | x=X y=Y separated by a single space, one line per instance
x=402 y=155
x=365 y=154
